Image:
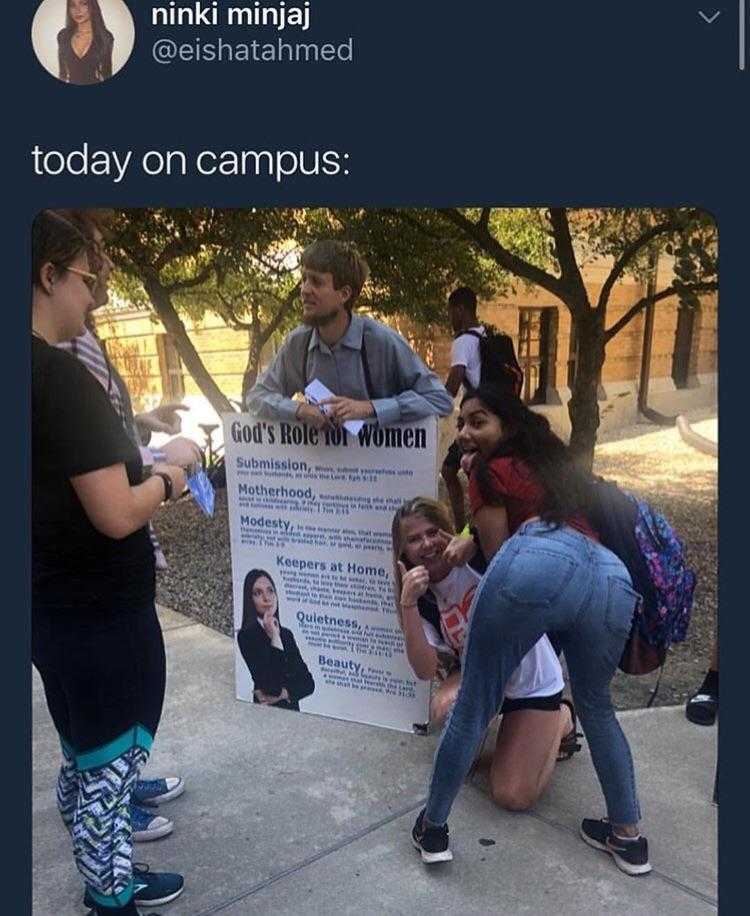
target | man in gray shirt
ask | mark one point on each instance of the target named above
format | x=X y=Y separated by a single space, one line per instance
x=372 y=370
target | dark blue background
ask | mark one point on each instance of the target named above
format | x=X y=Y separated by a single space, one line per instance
x=596 y=103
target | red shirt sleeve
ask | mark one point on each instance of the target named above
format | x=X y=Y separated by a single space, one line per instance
x=512 y=482
x=516 y=487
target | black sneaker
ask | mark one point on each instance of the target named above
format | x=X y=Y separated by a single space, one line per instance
x=631 y=856
x=702 y=708
x=150 y=888
x=432 y=842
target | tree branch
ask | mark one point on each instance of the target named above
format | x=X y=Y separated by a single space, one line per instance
x=566 y=256
x=229 y=309
x=407 y=217
x=484 y=218
x=177 y=248
x=487 y=243
x=282 y=312
x=657 y=297
x=190 y=282
x=629 y=253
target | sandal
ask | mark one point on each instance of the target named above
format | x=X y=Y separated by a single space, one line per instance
x=569 y=743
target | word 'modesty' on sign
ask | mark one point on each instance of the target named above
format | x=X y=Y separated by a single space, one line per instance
x=310 y=520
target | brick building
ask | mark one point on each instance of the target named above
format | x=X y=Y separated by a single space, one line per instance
x=682 y=370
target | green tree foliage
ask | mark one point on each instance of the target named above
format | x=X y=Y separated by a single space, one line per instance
x=244 y=266
x=631 y=240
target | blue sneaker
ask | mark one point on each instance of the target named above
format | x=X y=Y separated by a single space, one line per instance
x=147 y=825
x=150 y=888
x=155 y=791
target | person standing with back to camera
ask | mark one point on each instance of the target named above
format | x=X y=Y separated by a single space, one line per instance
x=84 y=45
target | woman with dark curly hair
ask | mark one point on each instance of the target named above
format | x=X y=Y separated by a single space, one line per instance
x=280 y=676
x=547 y=572
x=84 y=45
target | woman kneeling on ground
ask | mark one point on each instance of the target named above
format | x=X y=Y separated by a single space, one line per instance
x=434 y=597
x=548 y=572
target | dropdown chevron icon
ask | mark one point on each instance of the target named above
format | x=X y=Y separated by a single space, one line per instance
x=709 y=19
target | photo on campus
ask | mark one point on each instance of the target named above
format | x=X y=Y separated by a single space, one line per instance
x=443 y=482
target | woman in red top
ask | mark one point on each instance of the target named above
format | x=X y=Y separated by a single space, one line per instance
x=548 y=573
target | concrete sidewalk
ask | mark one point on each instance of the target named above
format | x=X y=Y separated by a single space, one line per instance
x=293 y=814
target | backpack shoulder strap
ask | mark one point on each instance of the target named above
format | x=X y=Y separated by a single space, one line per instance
x=306 y=357
x=366 y=366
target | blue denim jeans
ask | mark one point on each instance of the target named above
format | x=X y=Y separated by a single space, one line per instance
x=544 y=578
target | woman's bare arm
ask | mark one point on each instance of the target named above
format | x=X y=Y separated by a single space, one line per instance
x=491 y=523
x=422 y=656
x=115 y=508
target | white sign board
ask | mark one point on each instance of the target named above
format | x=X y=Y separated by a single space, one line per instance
x=314 y=614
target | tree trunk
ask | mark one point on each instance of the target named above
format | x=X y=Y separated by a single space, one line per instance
x=162 y=303
x=584 y=404
x=252 y=369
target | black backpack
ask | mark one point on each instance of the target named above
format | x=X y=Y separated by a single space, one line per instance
x=499 y=364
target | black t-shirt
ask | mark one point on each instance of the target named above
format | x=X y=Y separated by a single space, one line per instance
x=74 y=430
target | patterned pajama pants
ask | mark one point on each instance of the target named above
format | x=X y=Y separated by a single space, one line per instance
x=95 y=808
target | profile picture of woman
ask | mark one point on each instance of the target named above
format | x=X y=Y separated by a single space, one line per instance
x=280 y=676
x=85 y=44
x=94 y=42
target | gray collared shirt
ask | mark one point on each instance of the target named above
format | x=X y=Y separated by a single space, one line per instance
x=403 y=388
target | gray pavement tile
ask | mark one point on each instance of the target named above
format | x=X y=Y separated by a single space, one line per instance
x=268 y=790
x=532 y=868
x=170 y=619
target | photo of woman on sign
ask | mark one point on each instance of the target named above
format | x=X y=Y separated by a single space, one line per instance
x=280 y=676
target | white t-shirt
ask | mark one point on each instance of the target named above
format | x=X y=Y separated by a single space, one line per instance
x=538 y=675
x=465 y=352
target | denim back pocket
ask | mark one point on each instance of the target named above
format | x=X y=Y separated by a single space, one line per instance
x=535 y=576
x=621 y=604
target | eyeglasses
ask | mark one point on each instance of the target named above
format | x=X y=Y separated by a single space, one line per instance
x=89 y=279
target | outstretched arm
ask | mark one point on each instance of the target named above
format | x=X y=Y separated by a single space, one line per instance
x=271 y=395
x=422 y=393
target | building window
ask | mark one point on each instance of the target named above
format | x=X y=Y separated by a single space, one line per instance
x=683 y=346
x=536 y=352
x=170 y=367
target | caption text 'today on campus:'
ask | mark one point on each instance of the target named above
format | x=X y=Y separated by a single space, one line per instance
x=280 y=16
x=114 y=164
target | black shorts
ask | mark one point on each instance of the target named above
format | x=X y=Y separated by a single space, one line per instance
x=453 y=457
x=546 y=704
